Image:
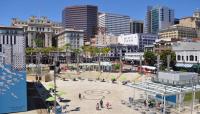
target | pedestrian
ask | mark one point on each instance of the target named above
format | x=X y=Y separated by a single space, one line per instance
x=79 y=96
x=108 y=105
x=101 y=103
x=145 y=103
x=97 y=106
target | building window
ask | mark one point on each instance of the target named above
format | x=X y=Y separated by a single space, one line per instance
x=0 y=47
x=187 y=58
x=14 y=39
x=183 y=58
x=3 y=39
x=7 y=39
x=195 y=58
x=191 y=58
x=179 y=57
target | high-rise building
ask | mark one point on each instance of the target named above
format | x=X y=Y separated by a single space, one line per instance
x=38 y=29
x=114 y=23
x=136 y=26
x=83 y=17
x=158 y=18
x=13 y=91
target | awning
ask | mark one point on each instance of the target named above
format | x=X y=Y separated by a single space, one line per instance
x=186 y=65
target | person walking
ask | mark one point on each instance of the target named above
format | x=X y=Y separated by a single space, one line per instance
x=97 y=106
x=101 y=103
x=79 y=96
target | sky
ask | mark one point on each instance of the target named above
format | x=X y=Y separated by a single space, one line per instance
x=52 y=9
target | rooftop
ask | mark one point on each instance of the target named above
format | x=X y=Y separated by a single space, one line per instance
x=186 y=46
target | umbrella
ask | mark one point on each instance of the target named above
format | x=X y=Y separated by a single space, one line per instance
x=60 y=93
x=50 y=99
x=123 y=78
x=50 y=86
x=113 y=78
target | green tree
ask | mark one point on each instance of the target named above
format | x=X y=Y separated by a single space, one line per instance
x=150 y=58
x=38 y=42
x=86 y=51
x=77 y=52
x=163 y=58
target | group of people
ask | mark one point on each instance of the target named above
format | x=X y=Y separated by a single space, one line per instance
x=100 y=105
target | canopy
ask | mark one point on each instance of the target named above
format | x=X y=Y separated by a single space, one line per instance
x=185 y=65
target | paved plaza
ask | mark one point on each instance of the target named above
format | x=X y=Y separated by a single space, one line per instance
x=92 y=92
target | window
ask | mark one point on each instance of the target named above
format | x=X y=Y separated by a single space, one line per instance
x=0 y=47
x=191 y=58
x=195 y=58
x=11 y=40
x=3 y=39
x=7 y=39
x=183 y=58
x=14 y=39
x=187 y=58
x=179 y=57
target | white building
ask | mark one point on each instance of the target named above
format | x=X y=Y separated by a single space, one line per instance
x=177 y=78
x=158 y=18
x=12 y=47
x=187 y=53
x=139 y=40
x=70 y=36
x=114 y=23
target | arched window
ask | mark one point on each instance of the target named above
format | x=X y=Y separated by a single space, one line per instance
x=179 y=58
x=191 y=58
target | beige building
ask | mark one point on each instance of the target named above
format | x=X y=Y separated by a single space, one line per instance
x=38 y=28
x=177 y=32
x=70 y=36
x=104 y=40
x=193 y=22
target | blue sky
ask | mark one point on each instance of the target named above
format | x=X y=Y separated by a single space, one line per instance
x=52 y=8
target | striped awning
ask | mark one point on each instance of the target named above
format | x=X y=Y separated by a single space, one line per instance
x=185 y=65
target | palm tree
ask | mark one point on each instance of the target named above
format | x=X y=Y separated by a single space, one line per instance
x=67 y=49
x=86 y=50
x=77 y=52
x=29 y=52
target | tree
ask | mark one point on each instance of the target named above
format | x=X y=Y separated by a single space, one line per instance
x=163 y=58
x=38 y=42
x=150 y=58
x=86 y=51
x=77 y=52
x=68 y=49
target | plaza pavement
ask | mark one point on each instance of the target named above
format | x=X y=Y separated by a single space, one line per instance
x=93 y=91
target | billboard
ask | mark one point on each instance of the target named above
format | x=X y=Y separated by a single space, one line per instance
x=13 y=90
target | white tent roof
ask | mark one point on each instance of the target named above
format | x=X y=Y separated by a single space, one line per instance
x=161 y=89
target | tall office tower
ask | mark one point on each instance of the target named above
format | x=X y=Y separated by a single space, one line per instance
x=83 y=17
x=136 y=26
x=158 y=18
x=114 y=23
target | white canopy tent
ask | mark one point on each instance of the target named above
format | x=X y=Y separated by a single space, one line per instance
x=166 y=90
